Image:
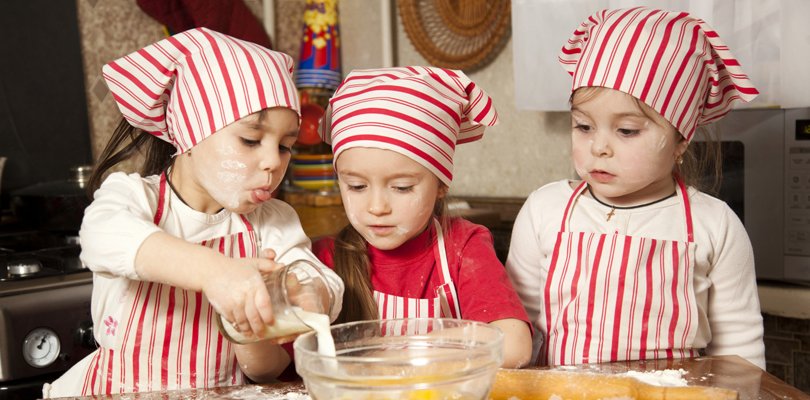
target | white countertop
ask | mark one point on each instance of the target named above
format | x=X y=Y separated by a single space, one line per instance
x=784 y=300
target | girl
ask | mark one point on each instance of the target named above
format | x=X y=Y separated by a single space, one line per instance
x=393 y=132
x=172 y=246
x=631 y=262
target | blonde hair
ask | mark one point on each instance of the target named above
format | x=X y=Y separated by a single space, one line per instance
x=352 y=264
x=697 y=164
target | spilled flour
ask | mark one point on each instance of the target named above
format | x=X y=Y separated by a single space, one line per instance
x=258 y=393
x=667 y=377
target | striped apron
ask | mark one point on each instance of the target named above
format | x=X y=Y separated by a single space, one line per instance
x=444 y=305
x=612 y=297
x=169 y=339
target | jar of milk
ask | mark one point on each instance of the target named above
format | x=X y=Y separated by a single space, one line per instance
x=301 y=299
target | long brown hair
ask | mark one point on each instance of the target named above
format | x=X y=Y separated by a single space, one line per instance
x=127 y=142
x=352 y=264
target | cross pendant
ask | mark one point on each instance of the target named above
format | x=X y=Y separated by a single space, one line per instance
x=610 y=214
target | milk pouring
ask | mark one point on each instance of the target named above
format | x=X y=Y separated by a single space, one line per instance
x=301 y=301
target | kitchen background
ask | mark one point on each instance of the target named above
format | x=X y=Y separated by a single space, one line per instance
x=526 y=150
x=524 y=141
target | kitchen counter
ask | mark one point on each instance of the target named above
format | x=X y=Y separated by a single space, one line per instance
x=784 y=300
x=729 y=372
x=321 y=221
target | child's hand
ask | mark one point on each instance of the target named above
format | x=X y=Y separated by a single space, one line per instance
x=238 y=292
x=312 y=297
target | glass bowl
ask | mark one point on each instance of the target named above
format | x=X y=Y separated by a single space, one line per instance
x=397 y=359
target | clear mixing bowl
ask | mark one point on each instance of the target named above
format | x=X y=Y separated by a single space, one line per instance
x=398 y=359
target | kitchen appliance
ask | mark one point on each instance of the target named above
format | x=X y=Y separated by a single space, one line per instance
x=44 y=127
x=56 y=205
x=766 y=181
x=45 y=322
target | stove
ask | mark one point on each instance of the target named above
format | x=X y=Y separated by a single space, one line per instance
x=45 y=322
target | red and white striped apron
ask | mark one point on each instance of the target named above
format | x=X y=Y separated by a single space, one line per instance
x=444 y=305
x=612 y=297
x=169 y=339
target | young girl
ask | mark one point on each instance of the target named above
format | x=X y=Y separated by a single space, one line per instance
x=393 y=132
x=195 y=232
x=631 y=262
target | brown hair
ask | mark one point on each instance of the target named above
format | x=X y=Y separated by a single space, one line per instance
x=351 y=263
x=127 y=142
x=698 y=162
x=702 y=165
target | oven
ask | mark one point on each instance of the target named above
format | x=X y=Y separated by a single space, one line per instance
x=45 y=322
x=766 y=181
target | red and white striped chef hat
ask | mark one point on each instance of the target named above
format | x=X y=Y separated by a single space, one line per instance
x=184 y=88
x=673 y=62
x=420 y=112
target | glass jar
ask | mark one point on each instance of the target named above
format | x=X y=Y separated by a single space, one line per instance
x=301 y=299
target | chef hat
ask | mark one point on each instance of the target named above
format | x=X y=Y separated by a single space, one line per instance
x=420 y=112
x=673 y=62
x=184 y=88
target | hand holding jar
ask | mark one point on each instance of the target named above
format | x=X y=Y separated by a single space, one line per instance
x=300 y=299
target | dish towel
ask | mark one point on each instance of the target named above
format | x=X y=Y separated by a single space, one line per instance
x=231 y=17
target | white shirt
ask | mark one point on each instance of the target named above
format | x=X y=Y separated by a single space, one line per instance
x=120 y=218
x=729 y=318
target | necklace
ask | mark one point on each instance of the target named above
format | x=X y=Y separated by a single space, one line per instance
x=169 y=181
x=613 y=208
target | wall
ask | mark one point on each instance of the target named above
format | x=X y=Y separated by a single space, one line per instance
x=109 y=29
x=526 y=150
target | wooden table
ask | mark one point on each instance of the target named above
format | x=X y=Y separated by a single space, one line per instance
x=729 y=372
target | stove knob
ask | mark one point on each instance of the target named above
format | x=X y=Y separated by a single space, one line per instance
x=85 y=335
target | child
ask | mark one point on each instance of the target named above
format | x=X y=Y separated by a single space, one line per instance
x=631 y=263
x=393 y=133
x=172 y=246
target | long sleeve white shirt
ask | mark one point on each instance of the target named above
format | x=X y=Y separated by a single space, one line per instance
x=729 y=318
x=121 y=218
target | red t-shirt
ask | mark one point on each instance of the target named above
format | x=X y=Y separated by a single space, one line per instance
x=484 y=291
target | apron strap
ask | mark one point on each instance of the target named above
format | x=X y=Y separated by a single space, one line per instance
x=447 y=291
x=581 y=187
x=690 y=235
x=163 y=197
x=248 y=225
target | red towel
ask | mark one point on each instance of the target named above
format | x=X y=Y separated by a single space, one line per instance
x=231 y=17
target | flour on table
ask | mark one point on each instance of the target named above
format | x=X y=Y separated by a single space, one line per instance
x=258 y=393
x=667 y=377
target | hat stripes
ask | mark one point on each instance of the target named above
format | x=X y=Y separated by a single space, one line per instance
x=188 y=86
x=412 y=107
x=430 y=143
x=671 y=61
x=420 y=112
x=366 y=93
x=400 y=146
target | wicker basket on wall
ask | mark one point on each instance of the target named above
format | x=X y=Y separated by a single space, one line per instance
x=457 y=34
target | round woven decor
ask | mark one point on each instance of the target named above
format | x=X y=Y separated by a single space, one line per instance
x=457 y=34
